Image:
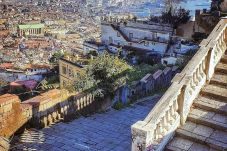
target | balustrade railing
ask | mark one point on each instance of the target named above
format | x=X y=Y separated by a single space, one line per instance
x=155 y=131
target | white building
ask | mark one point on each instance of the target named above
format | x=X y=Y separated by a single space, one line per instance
x=169 y=60
x=137 y=35
x=90 y=46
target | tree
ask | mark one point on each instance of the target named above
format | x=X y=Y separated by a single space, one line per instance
x=215 y=5
x=56 y=56
x=176 y=17
x=3 y=83
x=103 y=75
x=172 y=15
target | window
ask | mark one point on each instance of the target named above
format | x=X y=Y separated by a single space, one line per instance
x=130 y=35
x=165 y=62
x=155 y=35
x=110 y=40
x=70 y=72
x=64 y=83
x=118 y=34
x=63 y=70
x=146 y=43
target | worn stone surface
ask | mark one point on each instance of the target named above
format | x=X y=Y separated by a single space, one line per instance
x=221 y=68
x=105 y=132
x=199 y=147
x=206 y=125
x=203 y=130
x=180 y=144
x=211 y=105
x=219 y=79
x=215 y=91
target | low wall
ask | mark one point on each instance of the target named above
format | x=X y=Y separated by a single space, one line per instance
x=11 y=114
x=44 y=109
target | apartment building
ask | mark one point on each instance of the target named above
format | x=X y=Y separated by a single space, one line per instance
x=69 y=71
x=140 y=36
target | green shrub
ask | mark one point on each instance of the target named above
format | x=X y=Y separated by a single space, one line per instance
x=118 y=105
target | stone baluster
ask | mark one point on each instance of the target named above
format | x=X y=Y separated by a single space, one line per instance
x=195 y=80
x=160 y=130
x=172 y=111
x=223 y=41
x=191 y=86
x=198 y=74
x=165 y=125
x=155 y=134
x=204 y=67
x=176 y=105
x=78 y=104
x=90 y=98
x=219 y=49
x=201 y=71
x=168 y=116
x=84 y=101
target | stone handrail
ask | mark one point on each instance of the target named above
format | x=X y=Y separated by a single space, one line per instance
x=42 y=110
x=155 y=131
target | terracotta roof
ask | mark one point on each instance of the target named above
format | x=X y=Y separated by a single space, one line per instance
x=6 y=66
x=36 y=66
x=29 y=84
x=8 y=98
x=43 y=98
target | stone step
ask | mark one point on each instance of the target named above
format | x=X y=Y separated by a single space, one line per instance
x=221 y=68
x=219 y=79
x=181 y=144
x=224 y=59
x=216 y=92
x=203 y=117
x=212 y=105
x=205 y=135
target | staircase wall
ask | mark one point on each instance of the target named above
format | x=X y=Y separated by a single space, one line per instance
x=45 y=109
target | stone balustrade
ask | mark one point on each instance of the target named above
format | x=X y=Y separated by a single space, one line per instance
x=155 y=131
x=83 y=100
x=42 y=110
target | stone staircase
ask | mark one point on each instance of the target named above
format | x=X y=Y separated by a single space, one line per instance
x=206 y=125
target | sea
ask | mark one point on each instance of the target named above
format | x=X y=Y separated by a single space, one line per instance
x=156 y=7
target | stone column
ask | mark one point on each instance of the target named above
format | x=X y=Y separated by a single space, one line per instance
x=142 y=136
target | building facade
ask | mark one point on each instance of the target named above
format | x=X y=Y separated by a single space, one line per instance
x=31 y=30
x=69 y=72
x=89 y=46
x=150 y=37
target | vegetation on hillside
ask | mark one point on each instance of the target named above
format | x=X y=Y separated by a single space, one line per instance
x=106 y=73
x=173 y=16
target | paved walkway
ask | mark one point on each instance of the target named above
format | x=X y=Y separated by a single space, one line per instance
x=108 y=131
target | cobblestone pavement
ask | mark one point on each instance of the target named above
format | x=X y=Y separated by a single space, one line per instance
x=108 y=131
